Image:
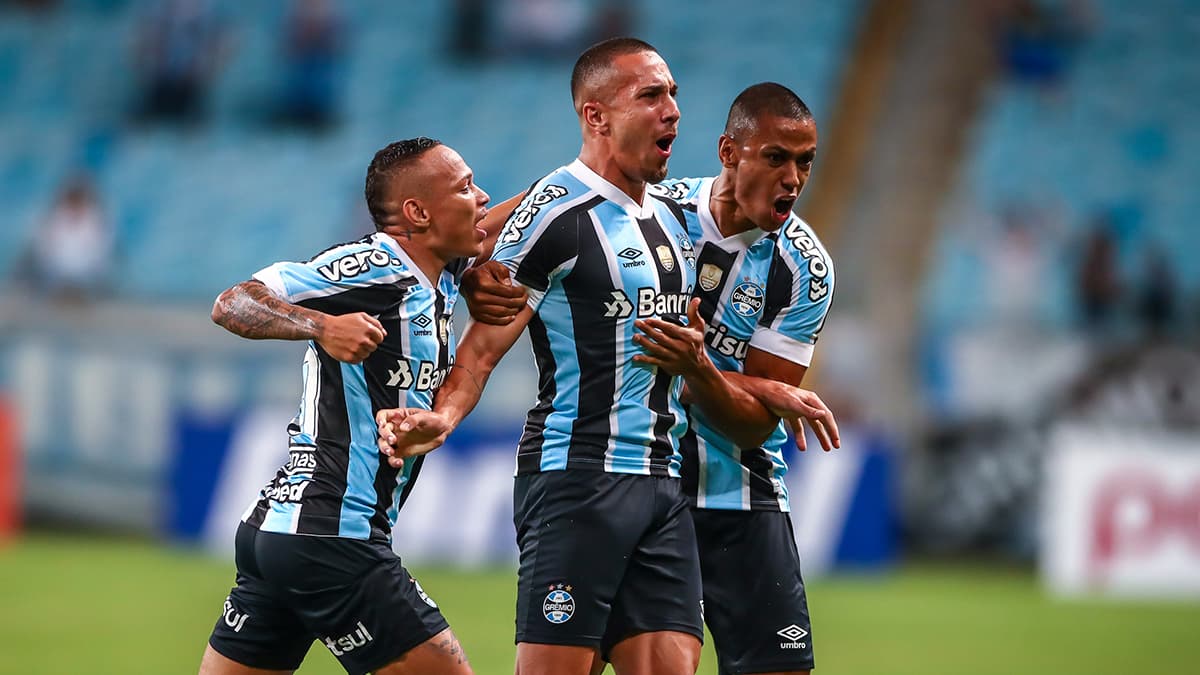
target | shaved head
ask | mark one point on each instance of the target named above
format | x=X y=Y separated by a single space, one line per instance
x=594 y=70
x=759 y=100
x=397 y=160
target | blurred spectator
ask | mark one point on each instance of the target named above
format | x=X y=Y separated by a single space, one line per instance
x=469 y=28
x=72 y=250
x=314 y=48
x=179 y=49
x=1016 y=267
x=1037 y=39
x=543 y=28
x=1097 y=287
x=1157 y=293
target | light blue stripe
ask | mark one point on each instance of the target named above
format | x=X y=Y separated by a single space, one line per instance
x=358 y=504
x=280 y=517
x=556 y=439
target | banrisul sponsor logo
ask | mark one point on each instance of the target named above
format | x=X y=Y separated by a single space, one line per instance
x=716 y=336
x=428 y=376
x=794 y=635
x=233 y=618
x=559 y=605
x=350 y=266
x=650 y=302
x=747 y=299
x=356 y=639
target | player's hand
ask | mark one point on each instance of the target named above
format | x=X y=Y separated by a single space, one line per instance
x=491 y=295
x=351 y=338
x=677 y=349
x=408 y=432
x=793 y=404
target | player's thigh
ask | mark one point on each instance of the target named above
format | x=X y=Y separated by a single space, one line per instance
x=656 y=653
x=661 y=589
x=439 y=655
x=758 y=617
x=546 y=659
x=215 y=663
x=576 y=531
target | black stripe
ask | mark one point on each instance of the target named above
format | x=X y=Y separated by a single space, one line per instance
x=322 y=506
x=373 y=299
x=762 y=491
x=558 y=243
x=713 y=255
x=676 y=209
x=260 y=511
x=689 y=467
x=587 y=287
x=419 y=461
x=529 y=449
x=779 y=289
x=669 y=281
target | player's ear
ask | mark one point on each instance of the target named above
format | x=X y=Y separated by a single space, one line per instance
x=415 y=213
x=595 y=117
x=727 y=151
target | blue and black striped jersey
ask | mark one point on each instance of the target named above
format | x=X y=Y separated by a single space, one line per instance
x=769 y=291
x=594 y=261
x=336 y=483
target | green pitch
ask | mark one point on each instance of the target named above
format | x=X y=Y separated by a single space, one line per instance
x=81 y=605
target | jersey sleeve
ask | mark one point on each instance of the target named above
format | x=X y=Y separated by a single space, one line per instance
x=539 y=239
x=681 y=190
x=798 y=295
x=341 y=281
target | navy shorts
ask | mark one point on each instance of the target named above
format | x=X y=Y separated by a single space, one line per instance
x=353 y=596
x=754 y=601
x=604 y=556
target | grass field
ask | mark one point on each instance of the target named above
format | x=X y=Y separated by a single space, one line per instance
x=76 y=605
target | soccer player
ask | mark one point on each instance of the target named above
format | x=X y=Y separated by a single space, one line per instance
x=313 y=553
x=608 y=561
x=765 y=283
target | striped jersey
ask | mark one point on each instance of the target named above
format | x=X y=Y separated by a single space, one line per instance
x=335 y=482
x=769 y=291
x=594 y=261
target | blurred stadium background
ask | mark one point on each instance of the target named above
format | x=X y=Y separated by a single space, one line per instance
x=1008 y=189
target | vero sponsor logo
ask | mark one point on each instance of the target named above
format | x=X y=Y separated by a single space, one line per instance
x=349 y=642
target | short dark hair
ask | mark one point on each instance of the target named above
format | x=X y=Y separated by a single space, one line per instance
x=764 y=98
x=387 y=161
x=599 y=57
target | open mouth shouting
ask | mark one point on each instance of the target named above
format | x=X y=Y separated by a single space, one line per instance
x=783 y=208
x=664 y=144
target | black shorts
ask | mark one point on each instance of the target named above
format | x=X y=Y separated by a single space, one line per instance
x=754 y=601
x=604 y=556
x=352 y=595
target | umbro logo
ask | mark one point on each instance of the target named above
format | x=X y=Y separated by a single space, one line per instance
x=793 y=634
x=422 y=320
x=631 y=256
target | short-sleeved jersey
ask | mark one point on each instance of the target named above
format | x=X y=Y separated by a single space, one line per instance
x=594 y=261
x=336 y=483
x=769 y=291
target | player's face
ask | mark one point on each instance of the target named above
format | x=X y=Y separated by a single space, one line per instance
x=772 y=166
x=455 y=204
x=644 y=117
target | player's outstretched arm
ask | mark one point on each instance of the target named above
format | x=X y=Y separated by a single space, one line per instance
x=253 y=311
x=680 y=350
x=775 y=381
x=409 y=432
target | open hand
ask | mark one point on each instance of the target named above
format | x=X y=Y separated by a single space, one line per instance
x=795 y=404
x=675 y=348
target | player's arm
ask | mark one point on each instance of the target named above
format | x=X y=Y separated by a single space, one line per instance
x=252 y=310
x=680 y=350
x=487 y=287
x=407 y=432
x=775 y=382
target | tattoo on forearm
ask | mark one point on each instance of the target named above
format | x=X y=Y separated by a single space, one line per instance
x=252 y=311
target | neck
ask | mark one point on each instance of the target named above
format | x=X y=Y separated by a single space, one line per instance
x=603 y=163
x=724 y=207
x=429 y=262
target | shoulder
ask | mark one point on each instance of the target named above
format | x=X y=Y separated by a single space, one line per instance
x=683 y=191
x=547 y=199
x=804 y=253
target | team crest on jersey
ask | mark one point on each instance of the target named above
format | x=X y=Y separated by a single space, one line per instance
x=665 y=257
x=747 y=299
x=559 y=605
x=689 y=251
x=710 y=276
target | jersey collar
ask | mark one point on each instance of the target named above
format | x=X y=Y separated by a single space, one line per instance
x=598 y=184
x=737 y=242
x=397 y=250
